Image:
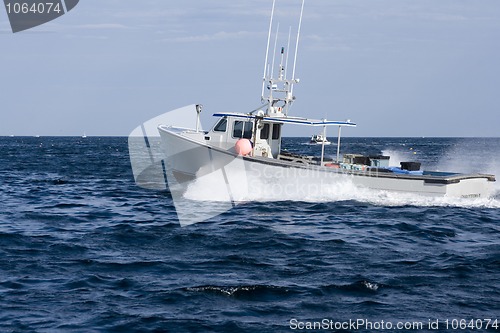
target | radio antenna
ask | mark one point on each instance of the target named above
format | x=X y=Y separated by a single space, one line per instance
x=267 y=50
x=274 y=52
x=287 y=50
x=297 y=44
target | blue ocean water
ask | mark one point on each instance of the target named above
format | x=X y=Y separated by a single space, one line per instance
x=83 y=249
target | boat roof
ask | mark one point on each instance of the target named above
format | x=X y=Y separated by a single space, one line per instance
x=288 y=120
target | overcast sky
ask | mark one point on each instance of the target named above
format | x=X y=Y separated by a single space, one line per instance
x=396 y=67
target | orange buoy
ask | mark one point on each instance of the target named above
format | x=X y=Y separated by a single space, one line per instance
x=243 y=147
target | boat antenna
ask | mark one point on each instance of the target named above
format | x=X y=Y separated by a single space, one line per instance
x=297 y=43
x=288 y=48
x=281 y=63
x=274 y=52
x=267 y=50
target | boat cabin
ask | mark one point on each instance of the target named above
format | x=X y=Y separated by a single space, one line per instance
x=265 y=135
x=263 y=131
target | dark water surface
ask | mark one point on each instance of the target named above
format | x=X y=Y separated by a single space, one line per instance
x=83 y=249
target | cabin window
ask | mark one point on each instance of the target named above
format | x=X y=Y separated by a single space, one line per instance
x=221 y=125
x=245 y=126
x=264 y=132
x=276 y=131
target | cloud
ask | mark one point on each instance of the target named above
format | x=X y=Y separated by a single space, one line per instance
x=218 y=36
x=108 y=26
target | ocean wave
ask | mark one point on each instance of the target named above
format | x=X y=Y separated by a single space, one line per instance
x=241 y=290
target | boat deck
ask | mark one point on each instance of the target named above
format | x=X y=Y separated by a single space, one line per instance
x=429 y=177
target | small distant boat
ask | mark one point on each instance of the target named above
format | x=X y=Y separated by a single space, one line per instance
x=84 y=135
x=319 y=139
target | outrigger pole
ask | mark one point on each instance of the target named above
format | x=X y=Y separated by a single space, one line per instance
x=323 y=144
x=338 y=144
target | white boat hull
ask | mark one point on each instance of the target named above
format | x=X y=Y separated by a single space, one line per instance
x=190 y=160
